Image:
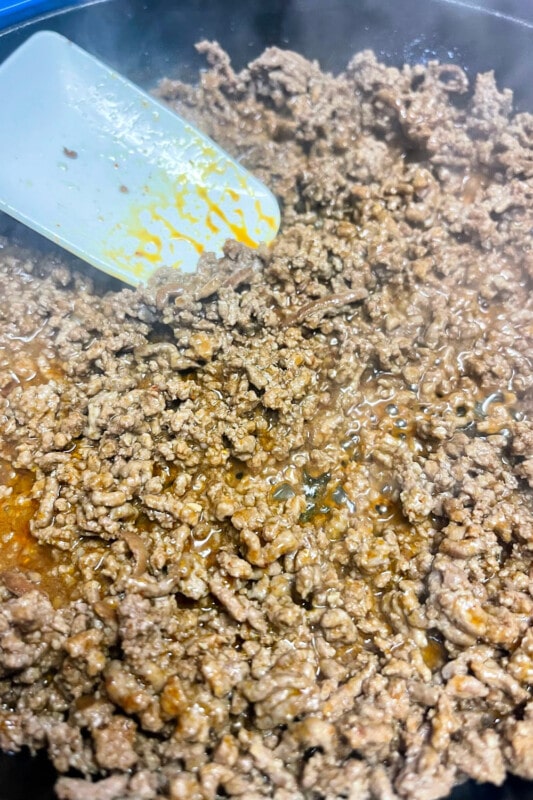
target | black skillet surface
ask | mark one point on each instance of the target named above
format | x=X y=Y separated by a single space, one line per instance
x=146 y=40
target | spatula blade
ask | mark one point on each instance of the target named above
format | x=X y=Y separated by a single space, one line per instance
x=112 y=175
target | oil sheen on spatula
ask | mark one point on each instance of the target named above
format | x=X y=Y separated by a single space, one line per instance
x=112 y=175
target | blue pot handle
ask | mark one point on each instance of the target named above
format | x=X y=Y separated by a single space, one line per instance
x=13 y=11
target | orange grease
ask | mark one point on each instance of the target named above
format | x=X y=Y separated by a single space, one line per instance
x=270 y=221
x=139 y=224
x=145 y=238
x=20 y=550
x=239 y=231
x=178 y=234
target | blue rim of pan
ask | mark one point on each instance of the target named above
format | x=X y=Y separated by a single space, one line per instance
x=14 y=12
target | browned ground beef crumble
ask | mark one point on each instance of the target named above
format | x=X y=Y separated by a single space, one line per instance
x=281 y=521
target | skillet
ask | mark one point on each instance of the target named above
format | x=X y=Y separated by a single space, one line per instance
x=148 y=40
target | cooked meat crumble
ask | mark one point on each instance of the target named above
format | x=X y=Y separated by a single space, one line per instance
x=266 y=531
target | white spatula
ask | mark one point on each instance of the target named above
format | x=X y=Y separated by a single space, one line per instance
x=100 y=167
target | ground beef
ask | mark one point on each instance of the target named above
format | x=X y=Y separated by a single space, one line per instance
x=266 y=530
